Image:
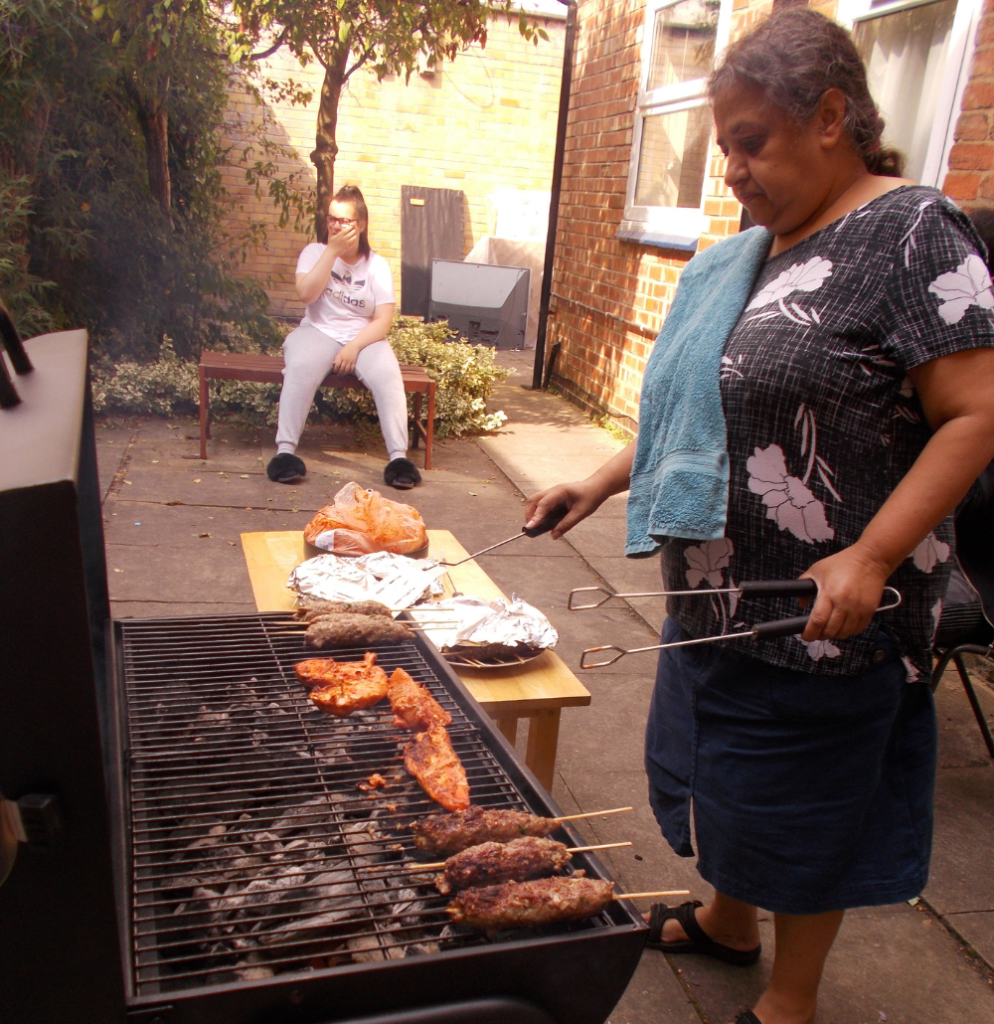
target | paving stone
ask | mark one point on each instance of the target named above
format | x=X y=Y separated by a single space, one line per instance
x=962 y=872
x=655 y=996
x=977 y=930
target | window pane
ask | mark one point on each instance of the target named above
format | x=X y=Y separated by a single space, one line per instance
x=683 y=42
x=673 y=157
x=905 y=53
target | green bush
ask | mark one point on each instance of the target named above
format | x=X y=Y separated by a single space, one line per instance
x=465 y=374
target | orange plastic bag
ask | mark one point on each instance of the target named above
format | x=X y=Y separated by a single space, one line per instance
x=360 y=521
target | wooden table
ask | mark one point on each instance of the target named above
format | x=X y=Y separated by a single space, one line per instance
x=538 y=690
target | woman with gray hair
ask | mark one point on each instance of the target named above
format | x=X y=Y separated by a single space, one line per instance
x=844 y=350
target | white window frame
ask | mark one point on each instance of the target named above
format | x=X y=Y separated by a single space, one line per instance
x=669 y=226
x=955 y=74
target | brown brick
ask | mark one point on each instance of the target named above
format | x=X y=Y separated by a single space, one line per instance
x=978 y=95
x=972 y=156
x=962 y=185
x=972 y=126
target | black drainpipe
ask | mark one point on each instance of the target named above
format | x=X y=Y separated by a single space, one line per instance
x=557 y=184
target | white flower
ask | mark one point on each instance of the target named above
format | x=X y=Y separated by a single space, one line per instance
x=801 y=277
x=936 y=617
x=930 y=552
x=968 y=285
x=818 y=649
x=788 y=500
x=707 y=561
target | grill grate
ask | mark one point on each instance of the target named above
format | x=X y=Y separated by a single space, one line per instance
x=252 y=841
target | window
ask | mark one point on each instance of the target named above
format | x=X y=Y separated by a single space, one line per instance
x=917 y=59
x=672 y=135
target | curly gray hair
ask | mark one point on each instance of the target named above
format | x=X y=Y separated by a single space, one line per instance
x=794 y=57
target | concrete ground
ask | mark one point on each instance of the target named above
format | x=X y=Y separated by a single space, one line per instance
x=172 y=526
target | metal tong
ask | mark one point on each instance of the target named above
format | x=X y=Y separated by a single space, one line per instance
x=550 y=522
x=753 y=588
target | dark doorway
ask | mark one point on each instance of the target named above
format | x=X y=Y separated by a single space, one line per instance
x=431 y=227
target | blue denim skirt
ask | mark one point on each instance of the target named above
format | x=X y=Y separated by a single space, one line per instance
x=810 y=793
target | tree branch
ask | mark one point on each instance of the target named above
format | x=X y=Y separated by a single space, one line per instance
x=280 y=40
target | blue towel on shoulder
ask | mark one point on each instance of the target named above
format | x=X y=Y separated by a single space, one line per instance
x=679 y=484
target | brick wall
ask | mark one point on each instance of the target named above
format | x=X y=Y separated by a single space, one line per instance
x=483 y=123
x=609 y=296
x=970 y=180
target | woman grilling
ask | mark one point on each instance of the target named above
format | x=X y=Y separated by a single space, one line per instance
x=820 y=399
x=349 y=294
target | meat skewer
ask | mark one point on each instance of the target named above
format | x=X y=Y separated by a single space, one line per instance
x=341 y=687
x=312 y=608
x=446 y=834
x=555 y=900
x=347 y=628
x=516 y=861
x=431 y=759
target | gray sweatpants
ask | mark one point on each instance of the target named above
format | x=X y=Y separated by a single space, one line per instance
x=308 y=355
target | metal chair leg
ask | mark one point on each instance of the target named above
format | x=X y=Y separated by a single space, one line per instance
x=971 y=696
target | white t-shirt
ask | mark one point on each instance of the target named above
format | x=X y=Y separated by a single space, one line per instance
x=351 y=295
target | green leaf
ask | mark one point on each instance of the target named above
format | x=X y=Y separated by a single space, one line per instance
x=116 y=38
x=98 y=11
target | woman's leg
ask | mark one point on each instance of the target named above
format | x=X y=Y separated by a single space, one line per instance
x=803 y=943
x=307 y=355
x=378 y=369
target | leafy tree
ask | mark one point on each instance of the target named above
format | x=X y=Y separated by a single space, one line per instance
x=387 y=36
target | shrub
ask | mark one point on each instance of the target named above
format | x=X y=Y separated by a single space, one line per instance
x=465 y=374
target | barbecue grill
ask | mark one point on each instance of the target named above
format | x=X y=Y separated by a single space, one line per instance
x=199 y=842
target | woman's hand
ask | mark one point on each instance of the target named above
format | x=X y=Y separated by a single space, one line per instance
x=343 y=238
x=850 y=585
x=346 y=359
x=581 y=498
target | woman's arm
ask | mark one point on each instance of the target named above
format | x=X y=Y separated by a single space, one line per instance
x=584 y=496
x=957 y=394
x=312 y=284
x=375 y=330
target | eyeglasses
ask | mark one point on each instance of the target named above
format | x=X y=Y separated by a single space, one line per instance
x=340 y=222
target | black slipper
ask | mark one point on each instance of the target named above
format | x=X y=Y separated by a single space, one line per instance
x=286 y=468
x=402 y=474
x=697 y=940
x=747 y=1018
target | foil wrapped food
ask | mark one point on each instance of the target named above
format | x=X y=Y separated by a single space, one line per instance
x=477 y=621
x=396 y=581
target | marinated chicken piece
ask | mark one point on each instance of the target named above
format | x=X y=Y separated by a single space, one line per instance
x=341 y=687
x=374 y=782
x=347 y=629
x=413 y=706
x=431 y=759
x=445 y=834
x=312 y=608
x=530 y=904
x=493 y=863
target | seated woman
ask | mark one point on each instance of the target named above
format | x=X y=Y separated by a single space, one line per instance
x=348 y=290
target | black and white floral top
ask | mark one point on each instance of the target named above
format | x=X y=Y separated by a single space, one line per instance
x=823 y=421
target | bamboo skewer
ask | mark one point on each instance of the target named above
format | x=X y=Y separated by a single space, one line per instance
x=438 y=865
x=592 y=814
x=299 y=632
x=647 y=895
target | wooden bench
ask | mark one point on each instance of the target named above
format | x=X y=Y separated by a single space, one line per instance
x=269 y=370
x=538 y=690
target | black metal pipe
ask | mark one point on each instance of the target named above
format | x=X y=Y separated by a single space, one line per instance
x=557 y=183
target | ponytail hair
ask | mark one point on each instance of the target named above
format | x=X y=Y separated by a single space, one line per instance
x=794 y=58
